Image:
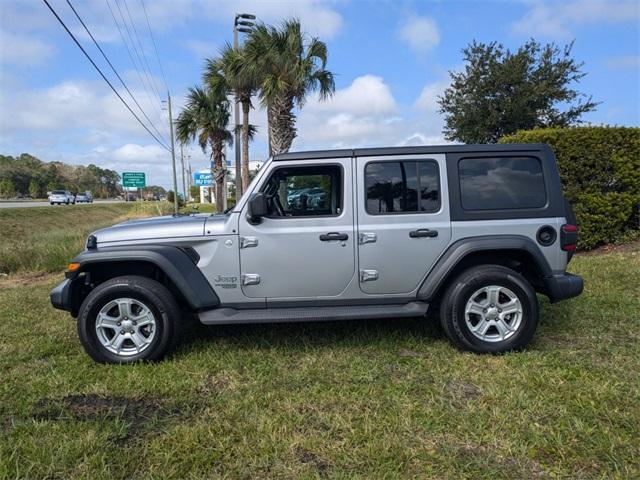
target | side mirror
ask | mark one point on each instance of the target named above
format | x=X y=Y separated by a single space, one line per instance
x=256 y=208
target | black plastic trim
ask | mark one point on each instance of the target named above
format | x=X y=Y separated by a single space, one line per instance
x=173 y=261
x=61 y=297
x=414 y=150
x=463 y=247
x=561 y=287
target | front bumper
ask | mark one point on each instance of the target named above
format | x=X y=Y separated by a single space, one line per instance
x=561 y=287
x=62 y=296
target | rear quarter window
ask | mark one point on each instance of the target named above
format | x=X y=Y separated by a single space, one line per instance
x=501 y=183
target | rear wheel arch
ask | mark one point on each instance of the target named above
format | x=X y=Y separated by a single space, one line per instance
x=515 y=252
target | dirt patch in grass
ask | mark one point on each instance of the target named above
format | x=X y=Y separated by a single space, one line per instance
x=309 y=458
x=409 y=354
x=463 y=392
x=142 y=415
x=216 y=384
x=27 y=279
x=96 y=407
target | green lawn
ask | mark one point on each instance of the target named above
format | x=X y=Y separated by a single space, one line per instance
x=368 y=399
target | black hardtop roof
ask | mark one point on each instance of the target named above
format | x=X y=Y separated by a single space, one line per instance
x=414 y=150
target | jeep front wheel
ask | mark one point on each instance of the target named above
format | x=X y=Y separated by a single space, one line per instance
x=127 y=319
x=489 y=309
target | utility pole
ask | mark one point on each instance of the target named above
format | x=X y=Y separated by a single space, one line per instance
x=184 y=185
x=240 y=24
x=173 y=158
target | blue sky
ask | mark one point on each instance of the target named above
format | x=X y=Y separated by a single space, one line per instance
x=390 y=58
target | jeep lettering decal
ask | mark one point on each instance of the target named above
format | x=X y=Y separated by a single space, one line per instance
x=225 y=281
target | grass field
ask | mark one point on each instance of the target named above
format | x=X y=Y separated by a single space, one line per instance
x=368 y=399
x=46 y=238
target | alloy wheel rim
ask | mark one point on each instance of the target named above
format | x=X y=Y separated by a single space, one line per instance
x=125 y=326
x=493 y=313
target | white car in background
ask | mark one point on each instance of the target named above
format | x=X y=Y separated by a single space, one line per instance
x=61 y=196
x=84 y=197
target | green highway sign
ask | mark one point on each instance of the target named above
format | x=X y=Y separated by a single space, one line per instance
x=133 y=179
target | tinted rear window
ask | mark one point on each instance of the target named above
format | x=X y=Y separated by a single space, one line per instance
x=58 y=192
x=402 y=187
x=501 y=183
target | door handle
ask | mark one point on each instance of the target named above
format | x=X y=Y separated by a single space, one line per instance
x=327 y=237
x=423 y=232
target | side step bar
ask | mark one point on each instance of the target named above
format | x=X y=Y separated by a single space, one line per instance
x=225 y=315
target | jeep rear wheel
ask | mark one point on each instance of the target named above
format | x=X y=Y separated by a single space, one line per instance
x=127 y=319
x=489 y=309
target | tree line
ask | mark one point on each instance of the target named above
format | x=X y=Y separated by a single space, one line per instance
x=28 y=176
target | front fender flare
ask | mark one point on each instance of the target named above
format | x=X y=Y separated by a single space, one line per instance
x=176 y=264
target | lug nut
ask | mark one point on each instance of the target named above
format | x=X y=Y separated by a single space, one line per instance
x=131 y=331
x=134 y=323
x=119 y=323
x=499 y=310
x=121 y=332
x=484 y=310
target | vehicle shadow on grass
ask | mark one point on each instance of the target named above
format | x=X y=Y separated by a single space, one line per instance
x=351 y=333
x=555 y=320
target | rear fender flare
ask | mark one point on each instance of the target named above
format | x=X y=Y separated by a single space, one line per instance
x=460 y=249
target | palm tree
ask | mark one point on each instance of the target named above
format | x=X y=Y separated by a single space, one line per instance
x=230 y=75
x=206 y=116
x=289 y=68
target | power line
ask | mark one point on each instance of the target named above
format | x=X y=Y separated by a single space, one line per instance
x=144 y=86
x=114 y=69
x=102 y=74
x=155 y=47
x=144 y=63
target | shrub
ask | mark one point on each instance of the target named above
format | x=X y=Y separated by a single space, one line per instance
x=600 y=171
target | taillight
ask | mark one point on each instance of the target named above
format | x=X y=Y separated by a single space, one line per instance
x=568 y=237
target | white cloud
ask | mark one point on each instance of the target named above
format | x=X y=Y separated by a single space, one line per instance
x=23 y=50
x=420 y=33
x=428 y=99
x=557 y=20
x=74 y=104
x=367 y=95
x=624 y=62
x=365 y=113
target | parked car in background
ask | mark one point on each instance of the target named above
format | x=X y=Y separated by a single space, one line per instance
x=62 y=196
x=84 y=197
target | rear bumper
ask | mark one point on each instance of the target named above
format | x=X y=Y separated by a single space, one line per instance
x=561 y=287
x=62 y=296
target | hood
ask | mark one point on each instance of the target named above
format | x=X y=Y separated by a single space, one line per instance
x=153 y=228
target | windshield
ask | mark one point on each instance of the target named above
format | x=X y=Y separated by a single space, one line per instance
x=57 y=192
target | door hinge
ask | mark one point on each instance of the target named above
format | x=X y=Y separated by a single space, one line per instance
x=368 y=275
x=250 y=279
x=367 y=237
x=246 y=242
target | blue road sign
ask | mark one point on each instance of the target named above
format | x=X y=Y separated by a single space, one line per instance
x=202 y=179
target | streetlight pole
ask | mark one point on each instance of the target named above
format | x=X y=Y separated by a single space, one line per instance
x=173 y=158
x=184 y=185
x=240 y=24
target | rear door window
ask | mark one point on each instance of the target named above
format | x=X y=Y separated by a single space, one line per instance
x=402 y=187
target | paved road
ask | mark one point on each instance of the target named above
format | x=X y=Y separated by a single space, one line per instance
x=25 y=204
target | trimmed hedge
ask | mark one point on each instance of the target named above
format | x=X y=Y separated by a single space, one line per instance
x=600 y=171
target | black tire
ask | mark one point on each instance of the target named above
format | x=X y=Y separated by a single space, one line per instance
x=462 y=289
x=154 y=295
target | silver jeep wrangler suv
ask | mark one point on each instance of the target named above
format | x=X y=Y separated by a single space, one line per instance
x=476 y=230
